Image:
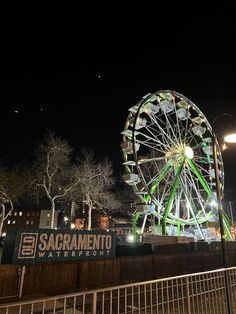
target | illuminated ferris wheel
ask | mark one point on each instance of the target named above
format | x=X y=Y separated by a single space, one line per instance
x=168 y=159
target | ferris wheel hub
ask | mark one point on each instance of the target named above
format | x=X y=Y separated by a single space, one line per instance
x=188 y=152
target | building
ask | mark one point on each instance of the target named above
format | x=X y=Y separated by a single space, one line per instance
x=45 y=219
x=25 y=219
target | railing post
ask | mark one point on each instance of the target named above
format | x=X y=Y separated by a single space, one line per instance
x=226 y=281
x=94 y=303
x=188 y=295
x=21 y=281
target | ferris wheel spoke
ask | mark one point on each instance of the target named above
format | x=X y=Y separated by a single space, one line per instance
x=155 y=139
x=158 y=180
x=199 y=176
x=149 y=146
x=163 y=132
x=173 y=190
x=172 y=131
x=204 y=171
x=191 y=205
x=163 y=139
x=151 y=140
x=196 y=189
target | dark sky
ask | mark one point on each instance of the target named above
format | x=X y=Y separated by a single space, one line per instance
x=191 y=51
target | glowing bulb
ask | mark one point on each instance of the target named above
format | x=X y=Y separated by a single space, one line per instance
x=188 y=152
x=4 y=234
x=231 y=138
x=130 y=238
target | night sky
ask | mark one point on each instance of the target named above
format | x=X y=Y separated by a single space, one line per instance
x=192 y=53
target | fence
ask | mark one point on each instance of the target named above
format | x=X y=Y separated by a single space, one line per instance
x=63 y=277
x=203 y=292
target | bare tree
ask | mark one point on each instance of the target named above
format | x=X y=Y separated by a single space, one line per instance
x=96 y=184
x=54 y=174
x=12 y=187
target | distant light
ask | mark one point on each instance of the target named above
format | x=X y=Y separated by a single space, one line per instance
x=72 y=226
x=188 y=152
x=130 y=238
x=224 y=147
x=213 y=203
x=231 y=138
x=41 y=109
x=99 y=76
x=66 y=218
x=16 y=111
x=4 y=234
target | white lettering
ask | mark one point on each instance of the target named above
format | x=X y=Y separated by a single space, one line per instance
x=43 y=237
x=41 y=254
x=58 y=246
x=108 y=242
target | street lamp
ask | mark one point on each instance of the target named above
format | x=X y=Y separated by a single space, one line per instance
x=229 y=138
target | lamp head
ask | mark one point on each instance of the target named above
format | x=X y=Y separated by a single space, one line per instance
x=230 y=138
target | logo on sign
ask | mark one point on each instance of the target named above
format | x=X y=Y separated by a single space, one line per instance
x=28 y=245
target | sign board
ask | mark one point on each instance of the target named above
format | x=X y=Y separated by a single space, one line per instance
x=45 y=245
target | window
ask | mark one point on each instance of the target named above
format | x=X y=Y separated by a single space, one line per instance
x=48 y=215
x=8 y=222
x=48 y=223
x=20 y=213
x=32 y=222
x=27 y=221
x=28 y=214
x=10 y=214
x=15 y=213
x=13 y=222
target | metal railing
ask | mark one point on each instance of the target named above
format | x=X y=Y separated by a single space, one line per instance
x=202 y=292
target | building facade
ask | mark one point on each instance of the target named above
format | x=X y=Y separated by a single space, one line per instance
x=28 y=219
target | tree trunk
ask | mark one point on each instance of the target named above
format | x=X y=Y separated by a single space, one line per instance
x=89 y=217
x=53 y=213
x=3 y=217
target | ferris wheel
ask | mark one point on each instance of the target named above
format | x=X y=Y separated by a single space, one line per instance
x=168 y=160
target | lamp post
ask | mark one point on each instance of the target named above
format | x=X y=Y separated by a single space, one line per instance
x=230 y=138
x=220 y=214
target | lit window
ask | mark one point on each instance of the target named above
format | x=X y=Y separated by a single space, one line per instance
x=32 y=222
x=13 y=222
x=48 y=215
x=10 y=214
x=27 y=222
x=20 y=213
x=8 y=222
x=15 y=213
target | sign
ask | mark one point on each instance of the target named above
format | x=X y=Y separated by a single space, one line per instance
x=45 y=245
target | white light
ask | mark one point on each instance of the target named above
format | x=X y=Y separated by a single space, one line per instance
x=130 y=238
x=213 y=203
x=231 y=138
x=188 y=152
x=72 y=226
x=66 y=218
x=4 y=234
